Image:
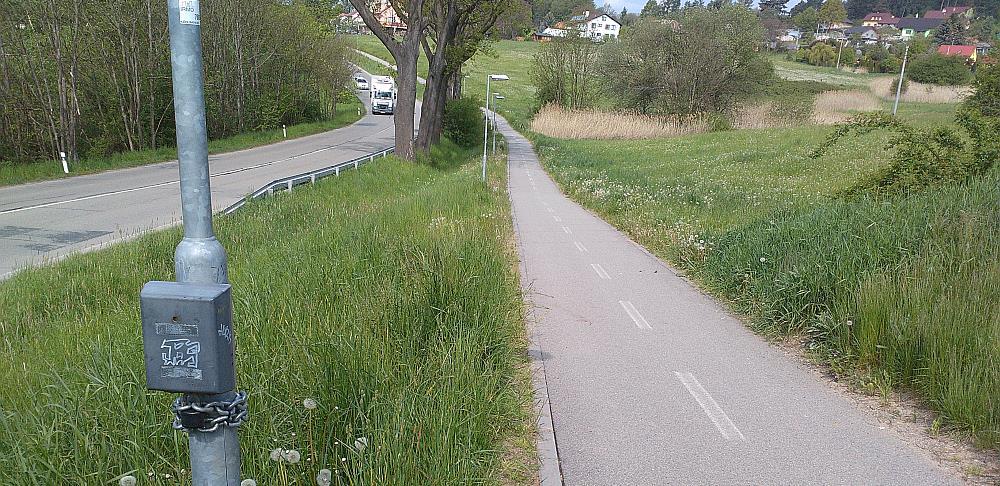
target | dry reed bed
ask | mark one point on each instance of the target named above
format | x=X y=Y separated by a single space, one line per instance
x=552 y=121
x=919 y=92
x=831 y=107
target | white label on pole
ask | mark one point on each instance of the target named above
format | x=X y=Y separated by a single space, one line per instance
x=190 y=12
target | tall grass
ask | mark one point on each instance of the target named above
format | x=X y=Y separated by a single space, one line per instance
x=389 y=296
x=831 y=107
x=13 y=174
x=918 y=92
x=892 y=292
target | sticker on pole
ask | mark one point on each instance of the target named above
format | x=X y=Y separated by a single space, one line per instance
x=190 y=12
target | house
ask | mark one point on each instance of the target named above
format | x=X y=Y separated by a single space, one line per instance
x=597 y=25
x=911 y=27
x=878 y=19
x=983 y=48
x=968 y=52
x=387 y=16
x=350 y=22
x=868 y=35
x=548 y=33
x=966 y=12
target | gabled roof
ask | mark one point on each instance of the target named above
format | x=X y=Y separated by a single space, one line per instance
x=861 y=29
x=919 y=25
x=589 y=15
x=881 y=17
x=945 y=13
x=954 y=50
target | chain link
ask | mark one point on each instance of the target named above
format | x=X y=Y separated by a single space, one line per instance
x=210 y=415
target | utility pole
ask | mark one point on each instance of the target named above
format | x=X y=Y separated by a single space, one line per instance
x=899 y=83
x=187 y=325
x=839 y=52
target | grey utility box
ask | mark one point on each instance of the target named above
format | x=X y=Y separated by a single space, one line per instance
x=187 y=336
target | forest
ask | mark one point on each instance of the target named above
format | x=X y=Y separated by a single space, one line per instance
x=92 y=77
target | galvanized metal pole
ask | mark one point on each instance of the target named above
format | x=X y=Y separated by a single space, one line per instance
x=899 y=82
x=199 y=258
x=486 y=129
x=495 y=101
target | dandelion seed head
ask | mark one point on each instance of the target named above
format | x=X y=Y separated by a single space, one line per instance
x=310 y=404
x=324 y=477
x=127 y=481
x=276 y=455
x=360 y=443
x=248 y=482
x=292 y=456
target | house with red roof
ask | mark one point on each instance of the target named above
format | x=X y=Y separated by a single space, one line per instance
x=947 y=12
x=967 y=52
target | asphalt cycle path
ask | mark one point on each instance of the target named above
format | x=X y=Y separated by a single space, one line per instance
x=649 y=381
x=43 y=221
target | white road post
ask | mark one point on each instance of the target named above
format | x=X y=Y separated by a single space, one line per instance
x=496 y=100
x=62 y=156
x=899 y=82
x=486 y=115
x=284 y=131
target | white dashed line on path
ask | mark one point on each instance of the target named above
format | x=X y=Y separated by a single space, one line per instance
x=567 y=230
x=600 y=271
x=579 y=246
x=640 y=321
x=715 y=413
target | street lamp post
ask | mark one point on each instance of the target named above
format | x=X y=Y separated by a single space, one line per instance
x=486 y=128
x=496 y=100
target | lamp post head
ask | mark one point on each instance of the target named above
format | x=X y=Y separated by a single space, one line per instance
x=499 y=77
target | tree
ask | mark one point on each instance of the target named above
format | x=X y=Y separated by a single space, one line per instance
x=458 y=29
x=564 y=73
x=405 y=52
x=705 y=63
x=798 y=7
x=832 y=12
x=653 y=8
x=951 y=32
x=806 y=20
x=774 y=6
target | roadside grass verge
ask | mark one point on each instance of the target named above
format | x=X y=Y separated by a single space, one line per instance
x=388 y=295
x=13 y=174
x=897 y=292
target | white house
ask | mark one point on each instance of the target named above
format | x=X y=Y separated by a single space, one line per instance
x=597 y=25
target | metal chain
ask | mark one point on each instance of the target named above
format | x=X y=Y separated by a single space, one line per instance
x=210 y=416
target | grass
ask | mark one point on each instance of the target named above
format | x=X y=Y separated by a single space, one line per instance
x=797 y=71
x=897 y=292
x=388 y=295
x=13 y=174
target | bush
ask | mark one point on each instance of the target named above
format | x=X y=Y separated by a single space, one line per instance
x=463 y=121
x=986 y=91
x=895 y=84
x=937 y=69
x=922 y=157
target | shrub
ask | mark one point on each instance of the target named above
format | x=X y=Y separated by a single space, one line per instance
x=986 y=91
x=895 y=84
x=937 y=69
x=923 y=157
x=463 y=121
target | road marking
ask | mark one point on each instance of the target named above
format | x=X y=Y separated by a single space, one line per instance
x=557 y=218
x=640 y=321
x=579 y=246
x=550 y=210
x=600 y=271
x=715 y=413
x=567 y=230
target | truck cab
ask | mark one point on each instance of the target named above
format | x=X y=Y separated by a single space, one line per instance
x=383 y=95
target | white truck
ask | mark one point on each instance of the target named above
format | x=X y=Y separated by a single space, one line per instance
x=383 y=95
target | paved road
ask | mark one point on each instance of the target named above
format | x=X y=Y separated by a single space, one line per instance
x=46 y=220
x=651 y=382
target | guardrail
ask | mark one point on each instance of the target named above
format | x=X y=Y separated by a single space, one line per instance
x=287 y=183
